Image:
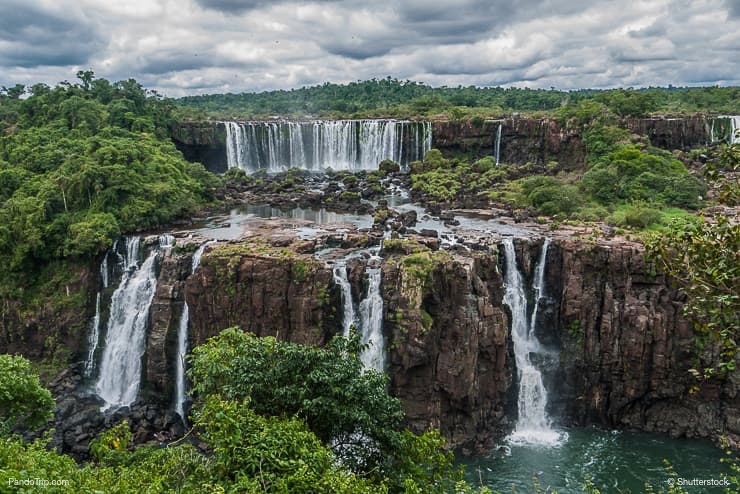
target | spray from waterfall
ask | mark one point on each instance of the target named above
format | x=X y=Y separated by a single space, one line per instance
x=120 y=366
x=533 y=425
x=182 y=343
x=340 y=144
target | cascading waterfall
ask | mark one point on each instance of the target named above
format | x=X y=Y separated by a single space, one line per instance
x=348 y=311
x=120 y=365
x=371 y=320
x=339 y=144
x=533 y=425
x=182 y=342
x=497 y=147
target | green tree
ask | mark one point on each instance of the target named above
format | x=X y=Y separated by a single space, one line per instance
x=347 y=409
x=23 y=401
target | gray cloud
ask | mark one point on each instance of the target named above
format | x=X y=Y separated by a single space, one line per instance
x=199 y=46
x=31 y=36
x=240 y=6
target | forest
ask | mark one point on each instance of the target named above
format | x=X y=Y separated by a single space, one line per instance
x=394 y=98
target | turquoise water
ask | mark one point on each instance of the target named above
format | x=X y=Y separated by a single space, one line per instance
x=617 y=462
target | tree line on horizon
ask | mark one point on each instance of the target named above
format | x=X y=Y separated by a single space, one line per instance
x=396 y=98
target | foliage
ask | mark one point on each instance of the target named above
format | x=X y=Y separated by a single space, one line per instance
x=551 y=196
x=324 y=387
x=81 y=163
x=23 y=401
x=395 y=98
x=705 y=258
x=304 y=406
x=271 y=454
x=112 y=444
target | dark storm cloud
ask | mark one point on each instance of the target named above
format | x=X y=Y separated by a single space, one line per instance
x=32 y=36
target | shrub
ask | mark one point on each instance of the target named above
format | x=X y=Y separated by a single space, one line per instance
x=389 y=166
x=23 y=401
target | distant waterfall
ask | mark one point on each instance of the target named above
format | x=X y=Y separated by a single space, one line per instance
x=533 y=424
x=338 y=144
x=182 y=342
x=120 y=366
x=726 y=128
x=348 y=311
x=371 y=322
x=497 y=147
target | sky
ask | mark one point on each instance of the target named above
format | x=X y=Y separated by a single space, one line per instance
x=187 y=47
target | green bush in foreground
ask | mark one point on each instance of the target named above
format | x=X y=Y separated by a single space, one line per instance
x=23 y=401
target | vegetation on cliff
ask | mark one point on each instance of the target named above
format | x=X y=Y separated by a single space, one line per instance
x=704 y=257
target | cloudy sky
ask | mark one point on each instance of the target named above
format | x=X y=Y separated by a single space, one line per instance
x=183 y=47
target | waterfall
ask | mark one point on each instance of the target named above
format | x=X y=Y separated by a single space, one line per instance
x=725 y=128
x=92 y=341
x=497 y=148
x=338 y=144
x=371 y=321
x=348 y=311
x=182 y=342
x=120 y=366
x=538 y=283
x=533 y=425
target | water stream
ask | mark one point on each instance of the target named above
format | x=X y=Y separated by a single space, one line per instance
x=182 y=343
x=120 y=365
x=533 y=425
x=371 y=319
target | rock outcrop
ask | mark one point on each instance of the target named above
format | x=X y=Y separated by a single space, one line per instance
x=266 y=290
x=626 y=348
x=449 y=350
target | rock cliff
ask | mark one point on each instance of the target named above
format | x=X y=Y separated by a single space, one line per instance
x=619 y=348
x=523 y=140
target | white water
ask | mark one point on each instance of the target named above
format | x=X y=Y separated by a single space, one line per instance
x=348 y=311
x=120 y=365
x=315 y=145
x=92 y=342
x=498 y=143
x=533 y=425
x=182 y=342
x=371 y=321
